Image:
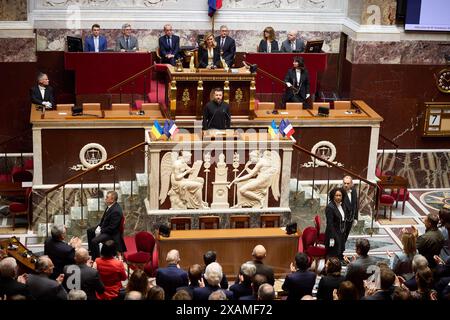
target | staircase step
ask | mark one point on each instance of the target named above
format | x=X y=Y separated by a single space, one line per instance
x=59 y=220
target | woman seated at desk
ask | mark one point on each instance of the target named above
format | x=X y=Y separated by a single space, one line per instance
x=208 y=53
x=268 y=43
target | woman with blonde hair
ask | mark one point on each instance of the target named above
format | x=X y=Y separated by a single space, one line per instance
x=208 y=53
x=401 y=263
x=268 y=43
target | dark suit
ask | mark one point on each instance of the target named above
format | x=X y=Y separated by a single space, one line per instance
x=241 y=290
x=203 y=57
x=89 y=280
x=298 y=284
x=381 y=295
x=43 y=288
x=326 y=286
x=263 y=46
x=89 y=45
x=335 y=230
x=228 y=51
x=60 y=253
x=110 y=230
x=165 y=48
x=302 y=86
x=265 y=270
x=171 y=278
x=36 y=96
x=286 y=46
x=216 y=116
x=203 y=293
x=121 y=43
x=223 y=282
x=10 y=287
x=353 y=211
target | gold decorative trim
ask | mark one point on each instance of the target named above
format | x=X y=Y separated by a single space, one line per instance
x=186 y=98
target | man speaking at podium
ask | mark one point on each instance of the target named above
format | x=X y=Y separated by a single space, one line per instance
x=216 y=114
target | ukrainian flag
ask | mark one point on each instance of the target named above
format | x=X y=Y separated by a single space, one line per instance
x=273 y=130
x=156 y=130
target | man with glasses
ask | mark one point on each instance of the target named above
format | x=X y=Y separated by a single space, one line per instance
x=126 y=42
x=169 y=46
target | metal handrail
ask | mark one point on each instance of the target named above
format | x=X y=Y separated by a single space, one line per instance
x=114 y=87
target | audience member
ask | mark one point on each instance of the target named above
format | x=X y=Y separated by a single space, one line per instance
x=156 y=293
x=227 y=46
x=182 y=294
x=95 y=42
x=292 y=44
x=9 y=284
x=209 y=257
x=419 y=262
x=195 y=275
x=243 y=285
x=60 y=252
x=41 y=286
x=268 y=43
x=42 y=94
x=138 y=281
x=134 y=295
x=169 y=46
x=172 y=277
x=301 y=281
x=387 y=279
x=213 y=275
x=82 y=274
x=363 y=259
x=444 y=221
x=75 y=294
x=126 y=42
x=217 y=295
x=331 y=280
x=111 y=271
x=424 y=280
x=259 y=253
x=401 y=263
x=266 y=292
x=432 y=241
x=258 y=280
x=346 y=291
x=401 y=294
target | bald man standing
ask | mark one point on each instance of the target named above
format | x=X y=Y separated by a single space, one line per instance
x=258 y=254
x=172 y=277
x=292 y=44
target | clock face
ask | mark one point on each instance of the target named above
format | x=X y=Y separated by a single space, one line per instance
x=443 y=80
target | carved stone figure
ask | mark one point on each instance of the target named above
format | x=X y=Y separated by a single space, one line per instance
x=253 y=187
x=185 y=192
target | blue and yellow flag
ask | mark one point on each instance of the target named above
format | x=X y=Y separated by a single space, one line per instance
x=273 y=130
x=156 y=130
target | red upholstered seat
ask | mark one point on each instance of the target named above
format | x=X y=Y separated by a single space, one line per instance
x=387 y=199
x=143 y=256
x=320 y=236
x=17 y=207
x=316 y=251
x=21 y=208
x=310 y=247
x=403 y=195
x=5 y=178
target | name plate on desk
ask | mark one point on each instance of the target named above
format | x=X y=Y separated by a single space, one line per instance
x=219 y=134
x=206 y=70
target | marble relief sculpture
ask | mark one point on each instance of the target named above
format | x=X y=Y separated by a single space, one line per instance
x=220 y=190
x=185 y=192
x=253 y=187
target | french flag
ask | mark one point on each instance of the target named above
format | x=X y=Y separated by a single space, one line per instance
x=173 y=129
x=288 y=130
x=213 y=6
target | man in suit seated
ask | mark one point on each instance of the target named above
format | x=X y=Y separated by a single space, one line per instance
x=43 y=288
x=126 y=42
x=169 y=46
x=109 y=227
x=171 y=277
x=42 y=94
x=292 y=44
x=227 y=46
x=213 y=275
x=60 y=252
x=301 y=281
x=81 y=273
x=10 y=285
x=95 y=42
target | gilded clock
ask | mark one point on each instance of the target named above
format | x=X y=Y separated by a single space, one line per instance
x=443 y=80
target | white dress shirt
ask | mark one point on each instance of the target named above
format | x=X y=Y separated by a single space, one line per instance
x=42 y=89
x=349 y=195
x=298 y=74
x=96 y=44
x=341 y=210
x=269 y=46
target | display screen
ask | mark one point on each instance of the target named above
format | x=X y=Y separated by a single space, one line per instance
x=427 y=15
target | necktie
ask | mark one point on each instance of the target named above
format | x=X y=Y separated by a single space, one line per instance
x=169 y=42
x=222 y=42
x=128 y=43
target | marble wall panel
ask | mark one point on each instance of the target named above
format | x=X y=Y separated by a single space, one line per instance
x=17 y=50
x=397 y=52
x=246 y=41
x=378 y=12
x=13 y=10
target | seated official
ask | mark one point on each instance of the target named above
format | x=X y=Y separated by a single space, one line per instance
x=169 y=46
x=227 y=46
x=268 y=43
x=292 y=44
x=42 y=94
x=297 y=83
x=126 y=42
x=108 y=228
x=216 y=114
x=208 y=53
x=95 y=42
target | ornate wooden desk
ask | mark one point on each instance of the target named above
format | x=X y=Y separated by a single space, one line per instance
x=190 y=90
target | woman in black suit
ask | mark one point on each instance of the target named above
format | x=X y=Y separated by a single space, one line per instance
x=268 y=43
x=208 y=53
x=335 y=213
